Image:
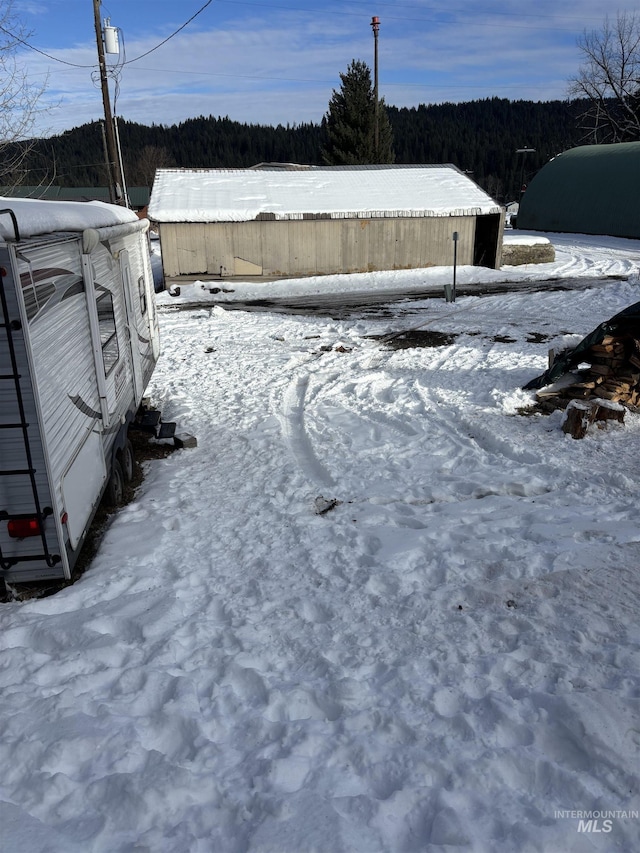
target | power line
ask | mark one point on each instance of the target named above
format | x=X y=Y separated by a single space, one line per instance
x=283 y=8
x=37 y=50
x=186 y=23
x=77 y=65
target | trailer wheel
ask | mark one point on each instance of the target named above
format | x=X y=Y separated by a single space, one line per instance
x=128 y=461
x=115 y=487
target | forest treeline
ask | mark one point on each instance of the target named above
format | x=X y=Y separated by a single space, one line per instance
x=479 y=137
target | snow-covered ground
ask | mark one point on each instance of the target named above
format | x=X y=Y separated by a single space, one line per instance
x=577 y=258
x=447 y=659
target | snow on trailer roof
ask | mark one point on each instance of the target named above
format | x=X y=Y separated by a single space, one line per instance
x=36 y=216
x=293 y=192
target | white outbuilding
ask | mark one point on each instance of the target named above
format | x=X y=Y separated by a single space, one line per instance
x=279 y=220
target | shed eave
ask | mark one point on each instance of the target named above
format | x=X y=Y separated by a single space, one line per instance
x=187 y=217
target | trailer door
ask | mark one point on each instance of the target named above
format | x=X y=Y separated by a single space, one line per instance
x=132 y=324
x=104 y=340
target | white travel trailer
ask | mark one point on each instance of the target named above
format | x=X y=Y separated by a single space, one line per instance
x=78 y=344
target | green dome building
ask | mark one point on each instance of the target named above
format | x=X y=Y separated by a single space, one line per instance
x=592 y=189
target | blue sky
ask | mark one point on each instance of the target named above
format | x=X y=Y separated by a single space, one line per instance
x=277 y=61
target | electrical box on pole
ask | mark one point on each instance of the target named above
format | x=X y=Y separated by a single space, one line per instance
x=111 y=43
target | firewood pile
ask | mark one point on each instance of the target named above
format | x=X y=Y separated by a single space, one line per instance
x=608 y=370
x=596 y=381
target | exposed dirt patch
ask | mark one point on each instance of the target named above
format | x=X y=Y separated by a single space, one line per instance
x=415 y=338
x=542 y=407
x=502 y=339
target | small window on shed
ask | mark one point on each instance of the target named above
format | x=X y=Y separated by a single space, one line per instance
x=108 y=336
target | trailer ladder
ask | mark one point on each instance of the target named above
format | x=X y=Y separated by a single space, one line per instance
x=40 y=513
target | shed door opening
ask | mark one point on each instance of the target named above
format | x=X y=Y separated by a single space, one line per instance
x=485 y=247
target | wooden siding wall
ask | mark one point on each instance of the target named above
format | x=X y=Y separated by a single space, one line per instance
x=314 y=246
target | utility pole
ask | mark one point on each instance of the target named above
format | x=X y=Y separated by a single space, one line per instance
x=375 y=26
x=524 y=152
x=113 y=161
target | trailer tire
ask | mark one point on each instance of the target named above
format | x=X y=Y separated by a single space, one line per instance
x=128 y=461
x=115 y=487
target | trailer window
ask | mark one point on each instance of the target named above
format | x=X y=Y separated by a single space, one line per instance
x=39 y=285
x=143 y=295
x=107 y=324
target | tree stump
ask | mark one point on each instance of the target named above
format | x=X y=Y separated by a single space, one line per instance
x=608 y=410
x=579 y=415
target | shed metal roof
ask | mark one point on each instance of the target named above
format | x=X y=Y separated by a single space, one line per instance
x=339 y=192
x=592 y=189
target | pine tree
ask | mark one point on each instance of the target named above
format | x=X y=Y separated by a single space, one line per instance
x=349 y=125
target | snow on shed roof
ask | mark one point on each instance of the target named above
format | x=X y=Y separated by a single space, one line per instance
x=338 y=192
x=36 y=216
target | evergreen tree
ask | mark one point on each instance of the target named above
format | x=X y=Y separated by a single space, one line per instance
x=480 y=137
x=349 y=125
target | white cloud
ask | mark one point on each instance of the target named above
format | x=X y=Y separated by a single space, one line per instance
x=277 y=66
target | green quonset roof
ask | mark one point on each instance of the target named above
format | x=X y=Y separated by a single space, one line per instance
x=593 y=189
x=138 y=196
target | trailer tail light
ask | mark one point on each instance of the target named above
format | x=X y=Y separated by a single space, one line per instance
x=21 y=528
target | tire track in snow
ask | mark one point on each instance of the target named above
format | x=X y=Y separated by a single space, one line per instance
x=292 y=420
x=483 y=441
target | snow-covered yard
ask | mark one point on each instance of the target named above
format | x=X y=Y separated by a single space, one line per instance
x=447 y=659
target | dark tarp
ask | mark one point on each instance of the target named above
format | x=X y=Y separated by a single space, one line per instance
x=627 y=322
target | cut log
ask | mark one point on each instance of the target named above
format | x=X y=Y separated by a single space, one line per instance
x=613 y=348
x=615 y=394
x=601 y=369
x=589 y=385
x=605 y=410
x=577 y=418
x=614 y=384
x=628 y=376
x=579 y=415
